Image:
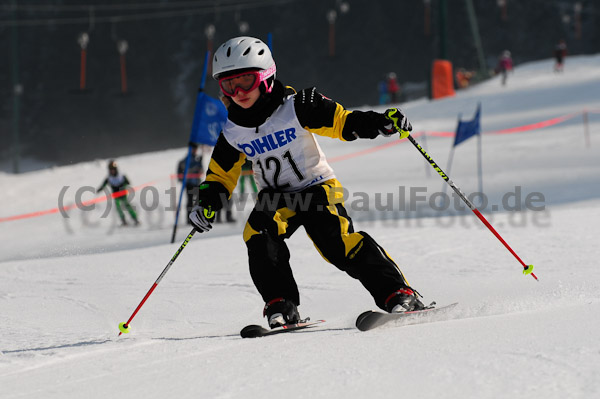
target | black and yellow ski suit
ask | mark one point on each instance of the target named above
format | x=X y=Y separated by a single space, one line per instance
x=308 y=198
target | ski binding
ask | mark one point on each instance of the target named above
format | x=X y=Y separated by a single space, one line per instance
x=256 y=331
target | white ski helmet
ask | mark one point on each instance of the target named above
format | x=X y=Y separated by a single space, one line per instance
x=243 y=53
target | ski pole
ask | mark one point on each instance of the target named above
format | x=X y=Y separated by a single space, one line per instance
x=527 y=269
x=124 y=327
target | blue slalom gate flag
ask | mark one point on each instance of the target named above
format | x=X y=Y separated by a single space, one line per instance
x=466 y=129
x=209 y=117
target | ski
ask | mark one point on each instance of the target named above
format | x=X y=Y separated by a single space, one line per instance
x=256 y=331
x=372 y=319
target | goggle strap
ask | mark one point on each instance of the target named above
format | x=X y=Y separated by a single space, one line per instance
x=267 y=73
x=268 y=88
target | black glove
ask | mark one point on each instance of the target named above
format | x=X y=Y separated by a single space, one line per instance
x=396 y=123
x=202 y=218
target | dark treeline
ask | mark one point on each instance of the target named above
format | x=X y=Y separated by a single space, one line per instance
x=59 y=123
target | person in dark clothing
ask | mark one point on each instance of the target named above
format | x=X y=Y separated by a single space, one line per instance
x=505 y=65
x=382 y=90
x=194 y=175
x=393 y=88
x=274 y=127
x=560 y=52
x=228 y=213
x=119 y=184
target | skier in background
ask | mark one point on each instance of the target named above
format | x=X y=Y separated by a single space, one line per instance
x=382 y=90
x=119 y=182
x=228 y=213
x=247 y=174
x=393 y=88
x=194 y=174
x=560 y=52
x=505 y=65
x=274 y=127
x=463 y=78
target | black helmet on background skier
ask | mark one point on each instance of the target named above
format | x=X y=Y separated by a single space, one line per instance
x=246 y=59
x=112 y=167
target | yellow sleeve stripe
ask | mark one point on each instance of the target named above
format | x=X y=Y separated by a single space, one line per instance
x=228 y=179
x=334 y=131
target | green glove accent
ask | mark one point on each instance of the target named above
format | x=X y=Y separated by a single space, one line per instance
x=209 y=214
x=394 y=115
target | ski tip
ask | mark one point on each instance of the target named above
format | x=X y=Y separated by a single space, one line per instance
x=253 y=331
x=360 y=319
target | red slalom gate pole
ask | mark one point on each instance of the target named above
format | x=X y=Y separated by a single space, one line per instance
x=122 y=47
x=82 y=72
x=527 y=269
x=124 y=327
x=123 y=75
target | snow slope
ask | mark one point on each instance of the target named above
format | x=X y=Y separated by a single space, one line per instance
x=66 y=283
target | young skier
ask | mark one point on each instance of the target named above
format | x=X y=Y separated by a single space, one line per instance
x=505 y=65
x=560 y=52
x=274 y=127
x=119 y=182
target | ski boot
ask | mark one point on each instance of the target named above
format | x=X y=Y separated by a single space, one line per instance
x=280 y=311
x=403 y=300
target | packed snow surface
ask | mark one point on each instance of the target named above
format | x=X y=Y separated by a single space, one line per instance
x=67 y=281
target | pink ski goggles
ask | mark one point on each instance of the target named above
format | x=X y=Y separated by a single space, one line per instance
x=245 y=81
